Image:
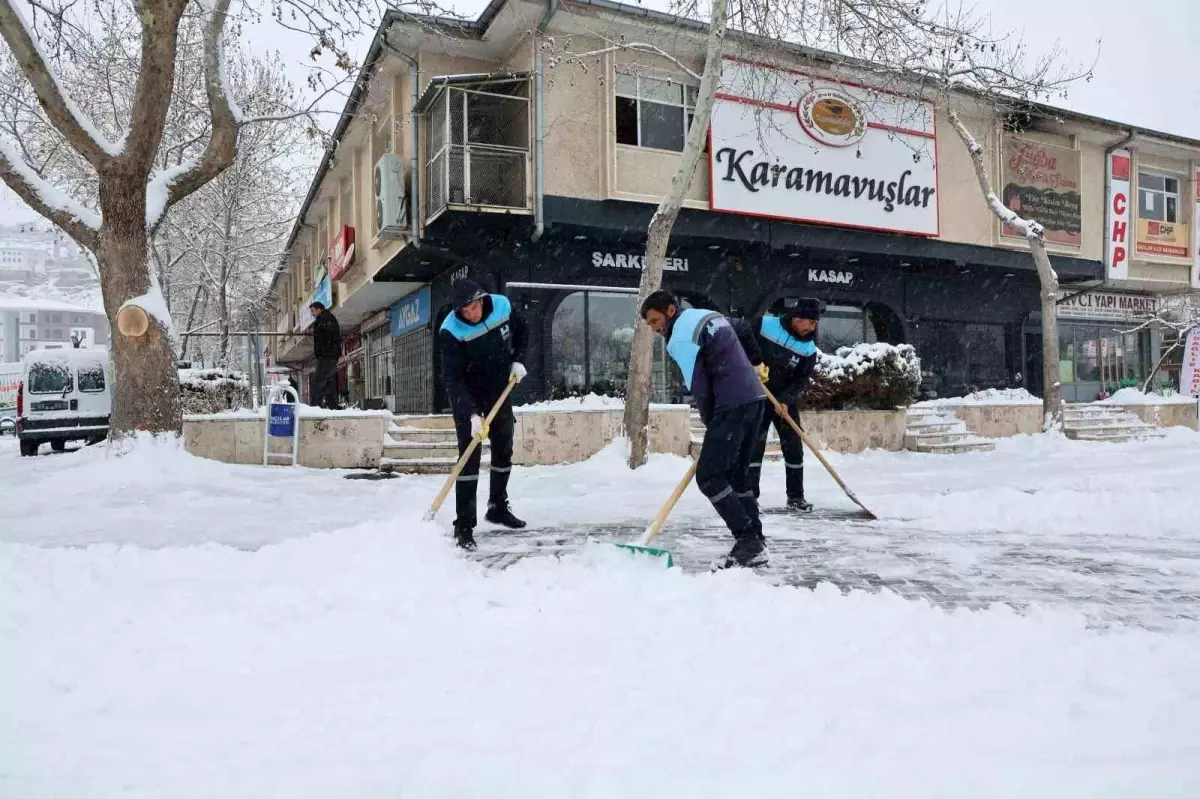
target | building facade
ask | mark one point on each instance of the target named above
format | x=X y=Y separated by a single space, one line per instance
x=467 y=150
x=29 y=324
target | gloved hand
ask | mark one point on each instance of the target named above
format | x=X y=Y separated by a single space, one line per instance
x=518 y=371
x=763 y=372
x=479 y=428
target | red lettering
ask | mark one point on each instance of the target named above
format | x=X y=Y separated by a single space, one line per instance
x=1119 y=204
x=1118 y=256
x=1120 y=229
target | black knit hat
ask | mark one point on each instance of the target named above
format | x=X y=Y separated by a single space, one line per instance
x=464 y=292
x=806 y=308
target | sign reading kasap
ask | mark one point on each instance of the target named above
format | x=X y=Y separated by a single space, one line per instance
x=791 y=146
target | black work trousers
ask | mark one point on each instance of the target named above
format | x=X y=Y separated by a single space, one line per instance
x=500 y=435
x=789 y=443
x=722 y=471
x=324 y=384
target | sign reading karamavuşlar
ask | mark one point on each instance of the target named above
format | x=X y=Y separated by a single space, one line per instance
x=791 y=146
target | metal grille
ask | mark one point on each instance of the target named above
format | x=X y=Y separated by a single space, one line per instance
x=414 y=371
x=438 y=194
x=479 y=145
x=497 y=177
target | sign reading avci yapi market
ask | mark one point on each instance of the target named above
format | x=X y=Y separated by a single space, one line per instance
x=1041 y=181
x=787 y=145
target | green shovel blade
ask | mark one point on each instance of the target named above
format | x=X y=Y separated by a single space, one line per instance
x=651 y=551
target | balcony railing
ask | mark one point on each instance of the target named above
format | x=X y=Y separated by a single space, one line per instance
x=479 y=140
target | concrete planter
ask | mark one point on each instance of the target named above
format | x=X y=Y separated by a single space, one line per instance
x=1000 y=421
x=855 y=431
x=547 y=437
x=344 y=441
x=1175 y=414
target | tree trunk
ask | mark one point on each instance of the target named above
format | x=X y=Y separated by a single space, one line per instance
x=641 y=354
x=1051 y=380
x=1047 y=279
x=223 y=326
x=146 y=391
x=191 y=320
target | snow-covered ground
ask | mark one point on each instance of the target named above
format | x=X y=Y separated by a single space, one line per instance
x=1018 y=623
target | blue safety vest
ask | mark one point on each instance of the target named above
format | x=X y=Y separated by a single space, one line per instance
x=501 y=311
x=684 y=344
x=772 y=330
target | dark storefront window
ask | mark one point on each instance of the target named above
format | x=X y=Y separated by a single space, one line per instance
x=845 y=326
x=958 y=358
x=589 y=347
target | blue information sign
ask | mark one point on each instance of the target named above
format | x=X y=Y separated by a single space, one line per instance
x=281 y=420
x=411 y=312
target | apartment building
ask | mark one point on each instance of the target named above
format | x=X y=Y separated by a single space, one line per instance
x=479 y=149
x=31 y=324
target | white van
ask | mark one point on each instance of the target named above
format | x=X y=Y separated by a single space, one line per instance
x=64 y=395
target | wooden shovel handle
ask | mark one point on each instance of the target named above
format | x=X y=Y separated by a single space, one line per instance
x=462 y=461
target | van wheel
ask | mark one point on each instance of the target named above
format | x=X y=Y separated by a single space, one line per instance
x=29 y=448
x=58 y=446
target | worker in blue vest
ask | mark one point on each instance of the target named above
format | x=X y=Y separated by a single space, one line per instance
x=729 y=396
x=786 y=344
x=482 y=345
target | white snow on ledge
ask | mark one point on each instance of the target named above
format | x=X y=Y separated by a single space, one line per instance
x=1132 y=396
x=304 y=412
x=588 y=402
x=991 y=396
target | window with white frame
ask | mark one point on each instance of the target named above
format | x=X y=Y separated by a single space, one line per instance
x=1158 y=197
x=653 y=112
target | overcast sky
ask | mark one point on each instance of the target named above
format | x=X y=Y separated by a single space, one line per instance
x=1145 y=75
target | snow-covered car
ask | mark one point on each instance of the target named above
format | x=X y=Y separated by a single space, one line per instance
x=64 y=395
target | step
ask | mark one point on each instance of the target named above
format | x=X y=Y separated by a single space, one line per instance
x=1103 y=424
x=930 y=428
x=423 y=449
x=1115 y=435
x=422 y=434
x=424 y=465
x=957 y=448
x=1095 y=413
x=912 y=442
x=436 y=421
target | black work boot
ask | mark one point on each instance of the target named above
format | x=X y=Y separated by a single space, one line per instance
x=500 y=513
x=464 y=537
x=799 y=504
x=749 y=551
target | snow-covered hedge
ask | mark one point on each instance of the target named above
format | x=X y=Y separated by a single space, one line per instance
x=213 y=390
x=866 y=376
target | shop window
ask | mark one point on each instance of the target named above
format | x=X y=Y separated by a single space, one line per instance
x=589 y=347
x=379 y=362
x=1158 y=197
x=957 y=358
x=654 y=113
x=845 y=326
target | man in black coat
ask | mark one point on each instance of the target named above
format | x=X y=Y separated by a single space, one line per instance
x=327 y=348
x=482 y=344
x=785 y=351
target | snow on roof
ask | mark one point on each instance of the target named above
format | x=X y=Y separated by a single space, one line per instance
x=62 y=354
x=11 y=303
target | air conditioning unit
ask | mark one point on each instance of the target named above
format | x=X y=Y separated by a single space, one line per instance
x=389 y=197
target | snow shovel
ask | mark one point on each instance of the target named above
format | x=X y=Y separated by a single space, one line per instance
x=462 y=461
x=642 y=544
x=832 y=473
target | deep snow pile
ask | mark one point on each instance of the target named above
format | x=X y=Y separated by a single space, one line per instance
x=990 y=396
x=370 y=659
x=1132 y=396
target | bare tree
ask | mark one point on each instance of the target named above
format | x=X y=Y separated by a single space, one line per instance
x=1180 y=316
x=100 y=168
